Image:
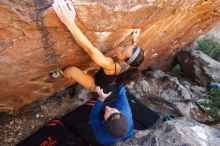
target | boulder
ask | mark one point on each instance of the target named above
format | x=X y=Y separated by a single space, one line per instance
x=199 y=67
x=156 y=85
x=33 y=42
x=178 y=132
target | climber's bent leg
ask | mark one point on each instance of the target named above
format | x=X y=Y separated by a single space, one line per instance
x=80 y=77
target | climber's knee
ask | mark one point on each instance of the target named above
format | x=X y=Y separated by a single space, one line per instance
x=71 y=72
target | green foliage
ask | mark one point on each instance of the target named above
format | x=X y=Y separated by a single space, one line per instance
x=177 y=70
x=210 y=47
x=213 y=92
x=214 y=108
x=213 y=104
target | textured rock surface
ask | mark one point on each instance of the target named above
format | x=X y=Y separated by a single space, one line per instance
x=34 y=42
x=156 y=85
x=179 y=132
x=200 y=67
x=18 y=125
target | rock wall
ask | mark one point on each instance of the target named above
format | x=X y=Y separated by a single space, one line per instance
x=33 y=42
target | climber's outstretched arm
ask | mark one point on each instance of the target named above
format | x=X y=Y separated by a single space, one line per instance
x=66 y=12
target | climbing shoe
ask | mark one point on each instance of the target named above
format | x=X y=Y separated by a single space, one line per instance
x=57 y=74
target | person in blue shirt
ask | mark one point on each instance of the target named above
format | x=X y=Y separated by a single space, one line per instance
x=117 y=123
x=101 y=124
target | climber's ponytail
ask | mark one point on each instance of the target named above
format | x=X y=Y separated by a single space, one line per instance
x=132 y=74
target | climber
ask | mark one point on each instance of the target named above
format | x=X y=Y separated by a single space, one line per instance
x=119 y=69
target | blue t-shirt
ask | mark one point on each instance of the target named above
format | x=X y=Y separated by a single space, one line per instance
x=97 y=124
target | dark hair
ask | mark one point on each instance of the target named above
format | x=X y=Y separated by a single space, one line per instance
x=117 y=127
x=138 y=60
x=132 y=74
x=114 y=116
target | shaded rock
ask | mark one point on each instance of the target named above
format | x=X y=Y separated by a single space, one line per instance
x=5 y=117
x=197 y=92
x=33 y=42
x=178 y=132
x=156 y=85
x=198 y=89
x=15 y=127
x=199 y=67
x=159 y=83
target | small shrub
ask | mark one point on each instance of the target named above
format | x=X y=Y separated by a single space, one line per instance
x=213 y=105
x=213 y=92
x=210 y=47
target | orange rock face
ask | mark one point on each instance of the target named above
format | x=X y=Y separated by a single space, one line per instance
x=33 y=42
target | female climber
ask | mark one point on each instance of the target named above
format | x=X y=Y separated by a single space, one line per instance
x=120 y=69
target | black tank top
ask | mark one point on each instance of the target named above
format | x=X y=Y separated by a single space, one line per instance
x=103 y=80
x=107 y=82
